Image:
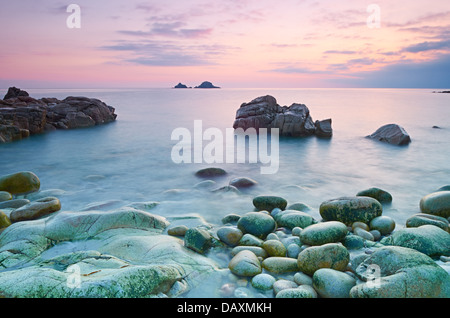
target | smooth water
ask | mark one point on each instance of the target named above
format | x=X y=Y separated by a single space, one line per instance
x=110 y=166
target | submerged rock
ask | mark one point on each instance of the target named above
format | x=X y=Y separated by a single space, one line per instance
x=381 y=195
x=399 y=272
x=268 y=203
x=245 y=263
x=210 y=173
x=392 y=134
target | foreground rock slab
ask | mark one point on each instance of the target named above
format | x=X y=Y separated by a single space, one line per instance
x=115 y=254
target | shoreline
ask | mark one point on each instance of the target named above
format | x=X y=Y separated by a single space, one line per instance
x=216 y=246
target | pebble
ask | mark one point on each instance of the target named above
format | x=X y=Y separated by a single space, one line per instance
x=330 y=283
x=299 y=292
x=302 y=279
x=250 y=240
x=293 y=250
x=332 y=255
x=227 y=290
x=268 y=203
x=274 y=248
x=280 y=265
x=363 y=233
x=282 y=284
x=243 y=182
x=376 y=234
x=272 y=236
x=246 y=264
x=362 y=225
x=179 y=230
x=4 y=220
x=230 y=235
x=231 y=219
x=263 y=282
x=258 y=251
x=5 y=196
x=384 y=224
x=323 y=233
x=14 y=204
x=36 y=209
x=296 y=231
x=257 y=224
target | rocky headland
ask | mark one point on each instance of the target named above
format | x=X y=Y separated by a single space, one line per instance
x=277 y=250
x=22 y=115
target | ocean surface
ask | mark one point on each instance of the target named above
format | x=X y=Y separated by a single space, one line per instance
x=113 y=165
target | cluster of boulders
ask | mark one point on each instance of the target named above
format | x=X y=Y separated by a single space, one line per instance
x=292 y=121
x=22 y=115
x=278 y=250
x=205 y=84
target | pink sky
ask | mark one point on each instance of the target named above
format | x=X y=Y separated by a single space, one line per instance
x=232 y=43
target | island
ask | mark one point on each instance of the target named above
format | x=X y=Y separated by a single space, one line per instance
x=206 y=85
x=179 y=85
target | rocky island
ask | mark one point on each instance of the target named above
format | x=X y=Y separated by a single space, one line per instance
x=22 y=115
x=206 y=85
x=180 y=85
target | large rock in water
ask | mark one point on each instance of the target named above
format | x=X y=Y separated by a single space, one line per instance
x=97 y=254
x=22 y=115
x=399 y=272
x=293 y=121
x=393 y=134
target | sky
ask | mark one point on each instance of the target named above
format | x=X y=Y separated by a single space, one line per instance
x=231 y=43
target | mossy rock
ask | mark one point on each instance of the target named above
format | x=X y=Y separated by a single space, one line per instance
x=351 y=209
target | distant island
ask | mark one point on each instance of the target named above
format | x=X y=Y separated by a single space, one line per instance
x=202 y=85
x=181 y=86
x=442 y=92
x=206 y=85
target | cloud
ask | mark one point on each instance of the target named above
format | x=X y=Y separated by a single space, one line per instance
x=405 y=74
x=171 y=30
x=428 y=46
x=339 y=52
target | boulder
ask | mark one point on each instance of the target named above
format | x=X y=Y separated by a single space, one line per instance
x=399 y=272
x=210 y=173
x=428 y=239
x=384 y=224
x=20 y=183
x=292 y=218
x=437 y=203
x=351 y=209
x=279 y=265
x=323 y=128
x=330 y=283
x=332 y=255
x=420 y=219
x=392 y=134
x=198 y=240
x=14 y=92
x=257 y=223
x=35 y=209
x=293 y=121
x=268 y=203
x=245 y=263
x=323 y=233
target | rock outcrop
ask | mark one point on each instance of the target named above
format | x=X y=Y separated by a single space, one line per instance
x=22 y=115
x=179 y=85
x=392 y=134
x=292 y=121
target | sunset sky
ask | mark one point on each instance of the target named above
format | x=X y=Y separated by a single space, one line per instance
x=232 y=43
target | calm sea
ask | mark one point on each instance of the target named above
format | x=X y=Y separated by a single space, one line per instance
x=128 y=161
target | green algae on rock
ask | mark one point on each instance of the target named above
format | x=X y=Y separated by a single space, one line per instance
x=351 y=209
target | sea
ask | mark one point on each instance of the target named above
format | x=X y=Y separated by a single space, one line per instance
x=130 y=160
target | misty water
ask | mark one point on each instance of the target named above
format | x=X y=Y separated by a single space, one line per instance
x=113 y=165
